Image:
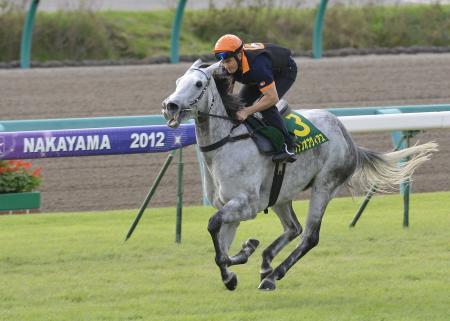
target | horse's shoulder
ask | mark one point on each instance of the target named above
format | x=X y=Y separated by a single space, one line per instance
x=318 y=115
x=314 y=112
x=328 y=123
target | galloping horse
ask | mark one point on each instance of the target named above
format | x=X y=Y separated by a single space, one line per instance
x=239 y=178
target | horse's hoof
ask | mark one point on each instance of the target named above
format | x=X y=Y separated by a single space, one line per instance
x=265 y=274
x=267 y=285
x=252 y=243
x=231 y=282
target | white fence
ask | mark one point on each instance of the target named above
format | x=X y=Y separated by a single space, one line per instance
x=389 y=122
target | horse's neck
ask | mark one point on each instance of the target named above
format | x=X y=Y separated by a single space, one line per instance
x=212 y=129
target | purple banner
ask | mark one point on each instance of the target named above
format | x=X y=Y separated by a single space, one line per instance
x=97 y=141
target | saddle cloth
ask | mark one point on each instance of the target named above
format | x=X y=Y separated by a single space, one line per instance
x=269 y=139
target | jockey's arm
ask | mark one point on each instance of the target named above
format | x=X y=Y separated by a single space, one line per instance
x=269 y=99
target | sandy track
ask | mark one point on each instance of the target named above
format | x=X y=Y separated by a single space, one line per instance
x=114 y=182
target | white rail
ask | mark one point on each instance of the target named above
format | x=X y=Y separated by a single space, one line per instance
x=390 y=122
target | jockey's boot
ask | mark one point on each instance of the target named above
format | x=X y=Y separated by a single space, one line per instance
x=286 y=154
x=273 y=118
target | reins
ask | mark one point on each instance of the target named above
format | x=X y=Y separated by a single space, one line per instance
x=200 y=113
x=236 y=123
x=226 y=139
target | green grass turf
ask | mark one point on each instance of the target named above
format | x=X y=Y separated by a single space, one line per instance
x=76 y=266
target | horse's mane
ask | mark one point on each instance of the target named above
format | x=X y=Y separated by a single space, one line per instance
x=224 y=81
x=231 y=102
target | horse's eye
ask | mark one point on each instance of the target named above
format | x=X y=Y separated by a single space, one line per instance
x=199 y=84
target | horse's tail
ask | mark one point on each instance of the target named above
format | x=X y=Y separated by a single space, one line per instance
x=382 y=172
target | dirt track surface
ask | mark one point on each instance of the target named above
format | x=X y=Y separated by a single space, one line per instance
x=116 y=182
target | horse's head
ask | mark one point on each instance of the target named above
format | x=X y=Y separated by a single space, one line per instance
x=190 y=95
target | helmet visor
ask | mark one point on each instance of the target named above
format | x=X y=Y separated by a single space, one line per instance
x=223 y=55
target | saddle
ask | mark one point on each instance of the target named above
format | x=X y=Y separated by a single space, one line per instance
x=268 y=139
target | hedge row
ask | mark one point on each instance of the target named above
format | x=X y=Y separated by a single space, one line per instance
x=86 y=35
x=345 y=27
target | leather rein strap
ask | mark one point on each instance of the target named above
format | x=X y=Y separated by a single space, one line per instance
x=226 y=139
x=223 y=141
x=202 y=114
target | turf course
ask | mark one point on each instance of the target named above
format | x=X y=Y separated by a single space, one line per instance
x=75 y=266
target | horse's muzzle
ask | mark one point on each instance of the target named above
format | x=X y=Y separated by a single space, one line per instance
x=171 y=112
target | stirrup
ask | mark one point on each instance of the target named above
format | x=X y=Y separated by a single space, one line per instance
x=284 y=156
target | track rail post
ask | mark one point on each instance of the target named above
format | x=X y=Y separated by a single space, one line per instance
x=27 y=35
x=150 y=193
x=179 y=197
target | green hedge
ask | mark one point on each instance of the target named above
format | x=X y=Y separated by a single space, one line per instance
x=85 y=35
x=62 y=35
x=345 y=27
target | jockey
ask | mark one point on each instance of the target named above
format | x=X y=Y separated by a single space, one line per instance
x=267 y=72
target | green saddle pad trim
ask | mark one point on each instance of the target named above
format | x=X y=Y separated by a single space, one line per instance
x=307 y=136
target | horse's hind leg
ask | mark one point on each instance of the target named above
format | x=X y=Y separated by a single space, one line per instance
x=321 y=195
x=292 y=229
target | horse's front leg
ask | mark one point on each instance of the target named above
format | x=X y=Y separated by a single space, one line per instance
x=222 y=227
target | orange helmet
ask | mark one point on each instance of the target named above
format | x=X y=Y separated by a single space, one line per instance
x=227 y=45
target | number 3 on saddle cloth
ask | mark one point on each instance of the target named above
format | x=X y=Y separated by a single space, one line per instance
x=270 y=140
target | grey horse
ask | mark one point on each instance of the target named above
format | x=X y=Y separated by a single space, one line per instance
x=238 y=178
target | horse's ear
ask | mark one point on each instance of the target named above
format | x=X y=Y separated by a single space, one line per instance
x=197 y=64
x=211 y=69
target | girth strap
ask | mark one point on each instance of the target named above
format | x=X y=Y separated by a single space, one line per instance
x=278 y=176
x=223 y=141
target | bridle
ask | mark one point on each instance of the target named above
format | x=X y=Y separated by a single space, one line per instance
x=197 y=113
x=226 y=139
x=200 y=96
x=208 y=82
